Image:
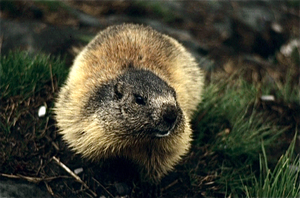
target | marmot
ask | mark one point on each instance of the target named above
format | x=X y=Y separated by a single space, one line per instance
x=131 y=93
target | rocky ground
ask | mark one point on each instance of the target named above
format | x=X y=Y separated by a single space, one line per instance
x=260 y=36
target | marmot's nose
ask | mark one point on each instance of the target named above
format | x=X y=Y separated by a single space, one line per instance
x=169 y=115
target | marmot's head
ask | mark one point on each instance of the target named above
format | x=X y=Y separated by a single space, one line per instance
x=138 y=104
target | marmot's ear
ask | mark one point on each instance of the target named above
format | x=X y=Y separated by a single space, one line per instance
x=118 y=90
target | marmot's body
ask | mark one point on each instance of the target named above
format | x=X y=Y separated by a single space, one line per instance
x=131 y=93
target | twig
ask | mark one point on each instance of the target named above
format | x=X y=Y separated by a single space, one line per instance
x=55 y=145
x=45 y=128
x=1 y=42
x=30 y=179
x=73 y=174
x=51 y=75
x=199 y=118
x=11 y=112
x=49 y=188
x=170 y=185
x=40 y=167
x=102 y=187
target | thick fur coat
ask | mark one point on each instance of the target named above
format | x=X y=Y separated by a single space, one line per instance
x=131 y=93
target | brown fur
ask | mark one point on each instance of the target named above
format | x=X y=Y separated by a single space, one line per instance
x=111 y=53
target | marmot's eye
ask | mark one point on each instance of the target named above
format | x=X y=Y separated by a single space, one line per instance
x=139 y=100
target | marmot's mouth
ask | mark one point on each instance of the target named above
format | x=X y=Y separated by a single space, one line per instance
x=162 y=134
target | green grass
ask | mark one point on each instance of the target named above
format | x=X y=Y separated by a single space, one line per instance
x=234 y=131
x=284 y=90
x=27 y=82
x=230 y=114
x=22 y=74
x=282 y=181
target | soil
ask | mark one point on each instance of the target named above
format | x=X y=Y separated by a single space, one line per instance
x=220 y=34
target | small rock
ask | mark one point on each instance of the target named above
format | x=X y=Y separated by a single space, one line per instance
x=78 y=170
x=267 y=98
x=42 y=111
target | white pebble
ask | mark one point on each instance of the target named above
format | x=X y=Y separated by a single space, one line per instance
x=267 y=98
x=42 y=111
x=78 y=170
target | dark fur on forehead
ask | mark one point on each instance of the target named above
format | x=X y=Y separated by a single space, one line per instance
x=144 y=81
x=140 y=82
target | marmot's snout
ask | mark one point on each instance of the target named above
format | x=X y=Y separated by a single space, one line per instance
x=169 y=115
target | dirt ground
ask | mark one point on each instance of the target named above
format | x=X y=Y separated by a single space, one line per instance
x=208 y=30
